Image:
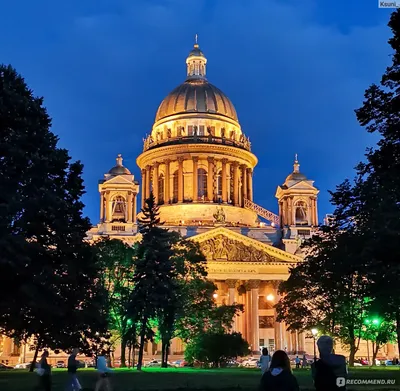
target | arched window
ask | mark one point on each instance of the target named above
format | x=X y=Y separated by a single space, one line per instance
x=175 y=186
x=160 y=189
x=201 y=183
x=119 y=209
x=301 y=213
x=219 y=185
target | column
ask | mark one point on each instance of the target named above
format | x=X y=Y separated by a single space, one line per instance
x=129 y=217
x=250 y=184
x=101 y=206
x=195 y=160
x=108 y=207
x=143 y=186
x=155 y=181
x=166 y=183
x=302 y=342
x=210 y=179
x=278 y=329
x=247 y=312
x=134 y=208
x=231 y=299
x=148 y=173
x=223 y=179
x=254 y=285
x=244 y=183
x=180 y=179
x=235 y=183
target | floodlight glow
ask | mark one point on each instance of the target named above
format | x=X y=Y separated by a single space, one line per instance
x=270 y=297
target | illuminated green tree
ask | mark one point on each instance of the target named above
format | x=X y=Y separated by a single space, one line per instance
x=116 y=259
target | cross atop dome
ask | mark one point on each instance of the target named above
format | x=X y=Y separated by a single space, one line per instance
x=296 y=165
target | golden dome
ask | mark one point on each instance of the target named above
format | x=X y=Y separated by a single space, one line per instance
x=119 y=169
x=296 y=175
x=196 y=95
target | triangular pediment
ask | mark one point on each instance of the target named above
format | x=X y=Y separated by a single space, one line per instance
x=120 y=180
x=303 y=185
x=224 y=245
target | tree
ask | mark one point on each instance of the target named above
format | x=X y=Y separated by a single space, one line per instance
x=380 y=189
x=216 y=348
x=155 y=272
x=116 y=259
x=329 y=288
x=43 y=252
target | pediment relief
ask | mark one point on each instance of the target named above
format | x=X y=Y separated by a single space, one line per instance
x=222 y=248
x=120 y=180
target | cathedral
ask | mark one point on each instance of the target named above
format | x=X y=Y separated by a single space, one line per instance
x=199 y=165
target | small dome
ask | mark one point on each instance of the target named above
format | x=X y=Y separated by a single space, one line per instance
x=296 y=176
x=196 y=96
x=196 y=52
x=119 y=169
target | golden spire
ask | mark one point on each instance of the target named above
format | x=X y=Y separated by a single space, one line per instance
x=196 y=44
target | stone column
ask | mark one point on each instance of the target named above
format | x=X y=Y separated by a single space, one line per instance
x=278 y=329
x=180 y=179
x=231 y=299
x=247 y=312
x=254 y=285
x=195 y=160
x=155 y=181
x=143 y=186
x=101 y=206
x=250 y=184
x=166 y=184
x=134 y=208
x=223 y=179
x=210 y=179
x=235 y=183
x=129 y=217
x=244 y=183
x=108 y=207
x=148 y=177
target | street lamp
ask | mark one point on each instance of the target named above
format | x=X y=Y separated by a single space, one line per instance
x=314 y=333
x=215 y=295
x=270 y=297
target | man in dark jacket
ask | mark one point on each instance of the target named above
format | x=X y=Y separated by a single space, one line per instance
x=73 y=363
x=330 y=371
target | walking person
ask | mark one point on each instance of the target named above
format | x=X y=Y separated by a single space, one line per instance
x=265 y=360
x=103 y=382
x=44 y=371
x=304 y=361
x=73 y=382
x=297 y=361
x=279 y=377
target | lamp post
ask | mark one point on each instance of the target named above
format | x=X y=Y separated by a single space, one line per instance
x=314 y=333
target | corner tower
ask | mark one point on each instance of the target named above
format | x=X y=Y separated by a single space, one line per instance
x=196 y=160
x=118 y=191
x=297 y=198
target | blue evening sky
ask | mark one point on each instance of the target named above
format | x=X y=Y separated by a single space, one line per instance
x=295 y=71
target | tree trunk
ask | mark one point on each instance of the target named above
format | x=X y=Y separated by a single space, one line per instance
x=167 y=353
x=398 y=330
x=129 y=355
x=141 y=345
x=163 y=354
x=123 y=352
x=133 y=355
x=32 y=367
x=353 y=351
x=375 y=348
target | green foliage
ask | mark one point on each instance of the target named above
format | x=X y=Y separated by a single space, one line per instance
x=48 y=273
x=216 y=348
x=116 y=260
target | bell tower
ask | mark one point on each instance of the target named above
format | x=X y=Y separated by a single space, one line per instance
x=297 y=199
x=118 y=191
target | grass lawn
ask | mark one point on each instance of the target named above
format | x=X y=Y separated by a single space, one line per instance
x=185 y=378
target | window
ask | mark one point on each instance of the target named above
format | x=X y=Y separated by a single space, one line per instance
x=301 y=213
x=201 y=183
x=175 y=186
x=201 y=130
x=190 y=130
x=219 y=184
x=161 y=189
x=119 y=209
x=261 y=342
x=264 y=304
